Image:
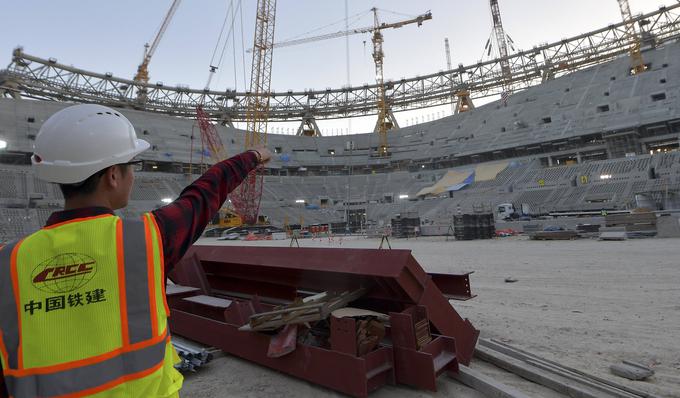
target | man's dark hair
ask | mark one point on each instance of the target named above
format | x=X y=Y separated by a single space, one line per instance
x=86 y=187
x=82 y=188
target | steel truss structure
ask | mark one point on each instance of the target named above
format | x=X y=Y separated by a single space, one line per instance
x=39 y=78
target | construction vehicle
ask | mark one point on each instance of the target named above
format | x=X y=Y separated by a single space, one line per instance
x=227 y=218
x=507 y=211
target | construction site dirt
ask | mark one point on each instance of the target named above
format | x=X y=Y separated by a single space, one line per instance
x=586 y=304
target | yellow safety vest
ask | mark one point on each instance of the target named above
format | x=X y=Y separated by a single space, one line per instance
x=83 y=311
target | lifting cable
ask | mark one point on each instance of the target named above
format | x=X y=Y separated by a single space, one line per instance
x=230 y=12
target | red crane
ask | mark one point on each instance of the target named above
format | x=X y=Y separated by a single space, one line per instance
x=210 y=140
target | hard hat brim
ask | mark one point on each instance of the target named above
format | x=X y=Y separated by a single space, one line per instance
x=65 y=172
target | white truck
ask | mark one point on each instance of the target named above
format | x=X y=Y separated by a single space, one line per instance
x=507 y=211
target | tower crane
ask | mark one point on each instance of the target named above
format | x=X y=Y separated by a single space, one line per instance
x=502 y=49
x=246 y=199
x=386 y=119
x=637 y=64
x=463 y=102
x=142 y=75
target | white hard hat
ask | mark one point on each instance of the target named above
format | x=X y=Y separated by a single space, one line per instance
x=78 y=141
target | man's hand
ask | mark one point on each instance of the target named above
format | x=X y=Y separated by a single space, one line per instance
x=264 y=155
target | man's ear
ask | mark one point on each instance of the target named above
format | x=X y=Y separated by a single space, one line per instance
x=112 y=177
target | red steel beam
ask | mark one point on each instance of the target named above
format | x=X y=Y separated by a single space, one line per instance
x=253 y=279
x=394 y=276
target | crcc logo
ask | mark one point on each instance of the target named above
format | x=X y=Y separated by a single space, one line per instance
x=64 y=273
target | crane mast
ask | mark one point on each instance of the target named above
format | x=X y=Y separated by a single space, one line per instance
x=386 y=120
x=502 y=44
x=447 y=50
x=247 y=197
x=637 y=63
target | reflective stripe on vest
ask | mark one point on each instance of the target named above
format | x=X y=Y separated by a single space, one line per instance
x=8 y=310
x=129 y=297
x=88 y=377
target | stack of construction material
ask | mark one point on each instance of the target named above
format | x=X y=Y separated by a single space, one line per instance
x=474 y=226
x=530 y=229
x=404 y=225
x=588 y=230
x=567 y=381
x=193 y=355
x=613 y=233
x=554 y=235
x=637 y=225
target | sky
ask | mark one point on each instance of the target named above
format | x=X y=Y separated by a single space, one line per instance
x=109 y=36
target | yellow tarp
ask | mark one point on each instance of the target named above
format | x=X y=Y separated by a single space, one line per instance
x=451 y=177
x=489 y=171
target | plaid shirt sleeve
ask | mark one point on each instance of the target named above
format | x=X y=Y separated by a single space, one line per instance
x=182 y=222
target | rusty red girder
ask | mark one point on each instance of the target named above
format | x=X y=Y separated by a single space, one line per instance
x=225 y=285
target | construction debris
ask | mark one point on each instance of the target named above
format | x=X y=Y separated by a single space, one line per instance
x=309 y=309
x=284 y=342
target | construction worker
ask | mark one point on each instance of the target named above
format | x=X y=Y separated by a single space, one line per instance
x=82 y=301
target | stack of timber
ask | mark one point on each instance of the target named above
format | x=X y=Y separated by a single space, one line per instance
x=554 y=235
x=638 y=225
x=588 y=230
x=566 y=380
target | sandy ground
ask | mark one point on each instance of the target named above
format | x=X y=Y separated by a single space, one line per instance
x=584 y=303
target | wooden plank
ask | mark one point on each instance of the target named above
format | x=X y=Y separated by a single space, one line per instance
x=485 y=384
x=525 y=355
x=320 y=307
x=529 y=372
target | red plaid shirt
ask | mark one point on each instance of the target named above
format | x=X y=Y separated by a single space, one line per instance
x=182 y=222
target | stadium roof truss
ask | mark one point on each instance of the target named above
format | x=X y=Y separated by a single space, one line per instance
x=38 y=78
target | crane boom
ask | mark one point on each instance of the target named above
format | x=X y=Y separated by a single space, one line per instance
x=342 y=33
x=142 y=75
